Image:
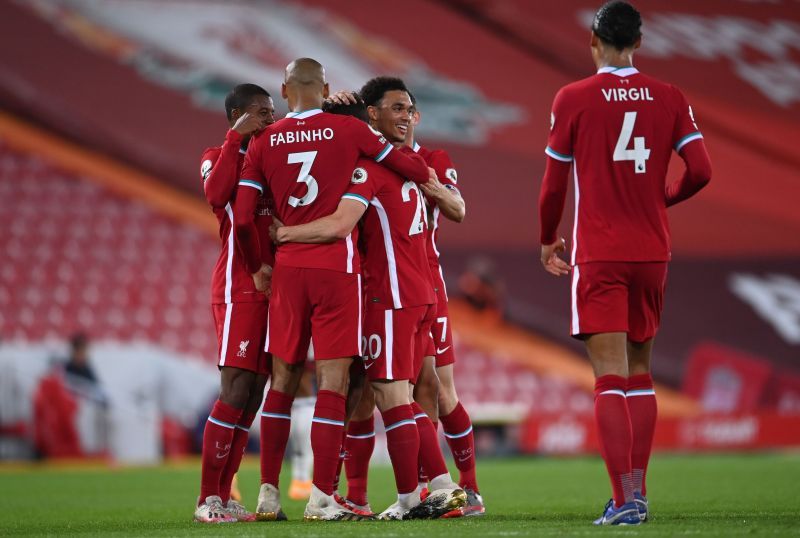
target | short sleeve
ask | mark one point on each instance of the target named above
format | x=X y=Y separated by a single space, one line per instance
x=252 y=170
x=363 y=184
x=445 y=169
x=559 y=143
x=686 y=129
x=370 y=142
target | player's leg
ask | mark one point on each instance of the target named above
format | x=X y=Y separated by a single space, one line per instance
x=221 y=424
x=645 y=304
x=600 y=319
x=643 y=410
x=457 y=428
x=300 y=437
x=358 y=448
x=336 y=329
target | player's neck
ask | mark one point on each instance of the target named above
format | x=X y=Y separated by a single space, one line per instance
x=301 y=103
x=615 y=58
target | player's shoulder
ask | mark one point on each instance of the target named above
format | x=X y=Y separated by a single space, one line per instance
x=208 y=159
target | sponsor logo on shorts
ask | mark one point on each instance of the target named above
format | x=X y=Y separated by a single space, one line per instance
x=243 y=348
x=440 y=351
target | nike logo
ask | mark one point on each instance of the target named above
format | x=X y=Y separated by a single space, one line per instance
x=440 y=351
x=222 y=455
x=368 y=366
x=462 y=460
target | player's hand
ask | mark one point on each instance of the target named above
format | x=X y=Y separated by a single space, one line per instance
x=247 y=124
x=550 y=260
x=273 y=230
x=343 y=97
x=433 y=188
x=263 y=278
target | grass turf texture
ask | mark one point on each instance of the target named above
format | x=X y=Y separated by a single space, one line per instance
x=708 y=495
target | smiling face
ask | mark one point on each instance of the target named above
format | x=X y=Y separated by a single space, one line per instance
x=392 y=115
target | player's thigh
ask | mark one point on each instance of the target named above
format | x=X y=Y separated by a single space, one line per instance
x=241 y=329
x=336 y=316
x=289 y=325
x=389 y=342
x=599 y=298
x=442 y=335
x=645 y=300
x=424 y=345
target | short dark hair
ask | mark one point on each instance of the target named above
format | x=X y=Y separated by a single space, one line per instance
x=241 y=96
x=358 y=110
x=618 y=24
x=374 y=90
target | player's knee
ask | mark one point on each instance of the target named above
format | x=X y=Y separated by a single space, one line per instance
x=235 y=396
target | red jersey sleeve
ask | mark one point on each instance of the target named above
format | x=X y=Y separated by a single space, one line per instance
x=252 y=169
x=363 y=185
x=445 y=169
x=373 y=145
x=686 y=129
x=218 y=168
x=559 y=143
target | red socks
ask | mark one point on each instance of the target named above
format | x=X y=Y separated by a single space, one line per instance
x=430 y=455
x=458 y=432
x=359 y=444
x=643 y=410
x=326 y=438
x=275 y=423
x=614 y=431
x=238 y=446
x=217 y=441
x=403 y=442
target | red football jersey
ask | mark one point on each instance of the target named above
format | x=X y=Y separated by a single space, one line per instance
x=231 y=282
x=619 y=128
x=395 y=264
x=440 y=161
x=306 y=160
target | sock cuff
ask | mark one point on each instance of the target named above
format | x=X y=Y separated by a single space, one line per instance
x=278 y=402
x=225 y=414
x=330 y=405
x=362 y=427
x=246 y=420
x=396 y=416
x=610 y=384
x=640 y=382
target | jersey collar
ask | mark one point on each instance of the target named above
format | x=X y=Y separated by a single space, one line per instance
x=619 y=71
x=304 y=113
x=416 y=147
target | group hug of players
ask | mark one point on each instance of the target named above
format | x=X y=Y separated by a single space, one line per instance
x=328 y=222
x=333 y=211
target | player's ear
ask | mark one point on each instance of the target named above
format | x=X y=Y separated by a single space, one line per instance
x=638 y=43
x=372 y=111
x=235 y=114
x=326 y=91
x=594 y=42
x=284 y=93
x=415 y=117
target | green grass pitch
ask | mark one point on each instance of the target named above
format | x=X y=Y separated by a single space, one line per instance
x=707 y=495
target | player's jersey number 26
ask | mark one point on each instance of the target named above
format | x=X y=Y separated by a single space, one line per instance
x=306 y=161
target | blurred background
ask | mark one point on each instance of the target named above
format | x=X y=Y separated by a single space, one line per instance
x=107 y=347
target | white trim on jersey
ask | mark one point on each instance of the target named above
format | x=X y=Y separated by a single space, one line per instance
x=416 y=147
x=349 y=242
x=251 y=183
x=229 y=262
x=619 y=71
x=303 y=114
x=388 y=329
x=394 y=282
x=558 y=156
x=576 y=322
x=226 y=329
x=697 y=135
x=360 y=306
x=266 y=336
x=577 y=211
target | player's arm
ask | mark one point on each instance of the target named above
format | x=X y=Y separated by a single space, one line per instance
x=551 y=206
x=221 y=175
x=688 y=143
x=402 y=161
x=445 y=193
x=696 y=176
x=326 y=229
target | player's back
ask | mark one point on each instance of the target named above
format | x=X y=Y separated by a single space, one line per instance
x=396 y=269
x=623 y=126
x=307 y=160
